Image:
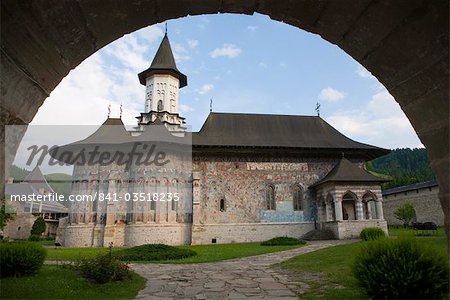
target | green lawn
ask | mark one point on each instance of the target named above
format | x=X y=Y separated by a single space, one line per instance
x=55 y=282
x=205 y=253
x=333 y=267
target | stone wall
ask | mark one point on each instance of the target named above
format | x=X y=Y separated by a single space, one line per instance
x=169 y=234
x=425 y=201
x=246 y=232
x=352 y=229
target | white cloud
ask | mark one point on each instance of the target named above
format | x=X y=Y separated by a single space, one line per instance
x=381 y=122
x=180 y=53
x=262 y=65
x=192 y=44
x=252 y=28
x=150 y=34
x=129 y=52
x=185 y=108
x=228 y=50
x=362 y=72
x=205 y=89
x=331 y=95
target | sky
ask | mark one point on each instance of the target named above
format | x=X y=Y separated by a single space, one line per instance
x=245 y=64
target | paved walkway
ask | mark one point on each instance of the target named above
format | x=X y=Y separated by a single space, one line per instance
x=243 y=278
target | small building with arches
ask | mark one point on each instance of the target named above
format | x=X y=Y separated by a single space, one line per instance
x=349 y=199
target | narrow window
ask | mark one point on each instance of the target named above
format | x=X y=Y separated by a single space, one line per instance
x=160 y=105
x=222 y=205
x=297 y=197
x=270 y=197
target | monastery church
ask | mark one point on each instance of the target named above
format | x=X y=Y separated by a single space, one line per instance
x=241 y=178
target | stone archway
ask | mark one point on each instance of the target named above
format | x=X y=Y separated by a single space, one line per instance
x=403 y=43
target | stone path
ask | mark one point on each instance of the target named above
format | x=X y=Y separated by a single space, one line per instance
x=243 y=278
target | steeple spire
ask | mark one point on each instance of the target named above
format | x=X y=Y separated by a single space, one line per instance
x=163 y=63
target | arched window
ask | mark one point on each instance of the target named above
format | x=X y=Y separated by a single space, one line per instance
x=160 y=105
x=297 y=196
x=270 y=197
x=174 y=192
x=222 y=204
x=349 y=206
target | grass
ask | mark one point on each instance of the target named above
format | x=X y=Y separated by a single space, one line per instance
x=56 y=282
x=333 y=266
x=205 y=253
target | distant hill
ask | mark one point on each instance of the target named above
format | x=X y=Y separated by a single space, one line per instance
x=61 y=183
x=404 y=166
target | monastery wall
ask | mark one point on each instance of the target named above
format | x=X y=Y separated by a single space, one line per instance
x=245 y=232
x=242 y=183
x=425 y=201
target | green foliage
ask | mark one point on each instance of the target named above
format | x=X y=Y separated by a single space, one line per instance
x=372 y=233
x=152 y=252
x=38 y=226
x=283 y=241
x=102 y=269
x=20 y=258
x=56 y=282
x=405 y=166
x=4 y=216
x=34 y=238
x=401 y=269
x=405 y=213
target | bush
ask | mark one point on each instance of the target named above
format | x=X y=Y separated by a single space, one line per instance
x=152 y=252
x=371 y=233
x=401 y=269
x=34 y=238
x=38 y=226
x=102 y=269
x=20 y=258
x=283 y=241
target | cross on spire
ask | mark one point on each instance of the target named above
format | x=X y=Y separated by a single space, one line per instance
x=121 y=110
x=318 y=109
x=210 y=105
x=166 y=28
x=109 y=110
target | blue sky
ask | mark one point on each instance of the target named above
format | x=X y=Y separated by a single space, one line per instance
x=247 y=64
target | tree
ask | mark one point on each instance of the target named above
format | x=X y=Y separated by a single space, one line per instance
x=405 y=213
x=38 y=226
x=4 y=216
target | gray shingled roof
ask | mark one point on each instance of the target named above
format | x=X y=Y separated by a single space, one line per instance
x=163 y=63
x=265 y=130
x=411 y=187
x=346 y=171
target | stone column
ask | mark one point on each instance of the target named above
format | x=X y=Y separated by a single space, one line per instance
x=359 y=210
x=338 y=210
x=380 y=210
x=369 y=210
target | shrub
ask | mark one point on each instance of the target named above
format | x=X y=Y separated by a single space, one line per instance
x=152 y=252
x=401 y=269
x=405 y=213
x=283 y=241
x=371 y=233
x=102 y=269
x=34 y=238
x=38 y=226
x=20 y=258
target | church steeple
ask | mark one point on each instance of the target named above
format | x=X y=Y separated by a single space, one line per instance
x=163 y=81
x=163 y=63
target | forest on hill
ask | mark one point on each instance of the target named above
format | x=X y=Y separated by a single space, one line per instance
x=404 y=166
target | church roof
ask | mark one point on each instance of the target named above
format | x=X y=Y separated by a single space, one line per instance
x=286 y=131
x=346 y=171
x=163 y=63
x=36 y=179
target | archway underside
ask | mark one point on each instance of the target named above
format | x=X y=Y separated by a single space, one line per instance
x=403 y=43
